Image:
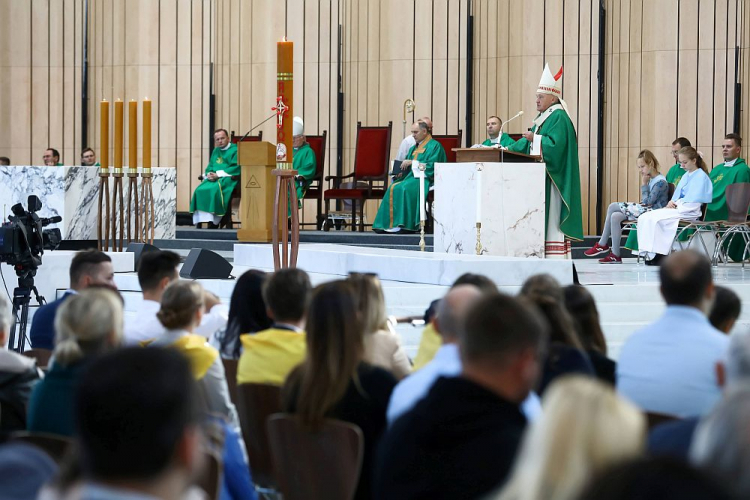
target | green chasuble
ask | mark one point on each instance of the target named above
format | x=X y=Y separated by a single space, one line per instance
x=675 y=174
x=213 y=196
x=304 y=163
x=505 y=141
x=400 y=206
x=560 y=152
x=721 y=177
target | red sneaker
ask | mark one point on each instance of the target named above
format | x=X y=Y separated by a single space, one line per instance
x=611 y=259
x=596 y=250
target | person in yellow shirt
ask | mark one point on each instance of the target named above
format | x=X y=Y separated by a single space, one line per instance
x=269 y=355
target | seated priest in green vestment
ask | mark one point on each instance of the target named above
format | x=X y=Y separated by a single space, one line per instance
x=555 y=135
x=400 y=207
x=303 y=159
x=210 y=200
x=494 y=137
x=51 y=158
x=88 y=158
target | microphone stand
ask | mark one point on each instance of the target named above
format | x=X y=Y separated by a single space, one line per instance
x=500 y=137
x=258 y=125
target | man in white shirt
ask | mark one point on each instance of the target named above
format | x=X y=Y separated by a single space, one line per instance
x=156 y=270
x=670 y=366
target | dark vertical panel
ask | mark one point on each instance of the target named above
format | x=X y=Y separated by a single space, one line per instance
x=447 y=59
x=713 y=88
x=677 y=72
x=697 y=69
x=726 y=72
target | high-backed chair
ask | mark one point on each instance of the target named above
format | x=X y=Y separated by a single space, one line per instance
x=250 y=138
x=230 y=372
x=736 y=225
x=57 y=447
x=448 y=142
x=255 y=403
x=315 y=465
x=370 y=166
x=318 y=145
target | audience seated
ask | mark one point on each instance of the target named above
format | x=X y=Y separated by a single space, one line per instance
x=654 y=479
x=156 y=270
x=382 y=345
x=88 y=325
x=334 y=381
x=88 y=268
x=725 y=310
x=18 y=375
x=247 y=314
x=181 y=311
x=127 y=448
x=669 y=367
x=582 y=307
x=585 y=428
x=461 y=439
x=269 y=355
x=565 y=353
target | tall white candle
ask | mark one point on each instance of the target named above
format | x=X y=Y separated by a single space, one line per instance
x=422 y=214
x=479 y=192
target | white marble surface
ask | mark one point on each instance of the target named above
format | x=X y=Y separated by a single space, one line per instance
x=408 y=265
x=512 y=206
x=73 y=194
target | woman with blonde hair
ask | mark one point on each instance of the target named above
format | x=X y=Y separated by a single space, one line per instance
x=585 y=428
x=87 y=325
x=382 y=345
x=181 y=312
x=654 y=195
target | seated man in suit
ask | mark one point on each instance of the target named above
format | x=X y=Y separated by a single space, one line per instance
x=88 y=268
x=210 y=200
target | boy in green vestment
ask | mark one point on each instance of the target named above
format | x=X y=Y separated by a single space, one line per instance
x=400 y=207
x=559 y=149
x=211 y=198
x=494 y=124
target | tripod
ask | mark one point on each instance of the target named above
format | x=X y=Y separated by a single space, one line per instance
x=21 y=300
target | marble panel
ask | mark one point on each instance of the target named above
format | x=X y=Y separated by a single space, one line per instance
x=512 y=207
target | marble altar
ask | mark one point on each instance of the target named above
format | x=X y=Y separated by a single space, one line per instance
x=73 y=194
x=512 y=209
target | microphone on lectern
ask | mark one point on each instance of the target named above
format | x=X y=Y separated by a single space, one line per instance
x=504 y=123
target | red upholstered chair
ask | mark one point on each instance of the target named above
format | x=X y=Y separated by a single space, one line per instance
x=318 y=145
x=370 y=165
x=448 y=142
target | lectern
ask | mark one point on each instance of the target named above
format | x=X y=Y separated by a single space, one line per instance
x=492 y=155
x=257 y=160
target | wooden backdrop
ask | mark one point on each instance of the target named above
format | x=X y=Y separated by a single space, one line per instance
x=669 y=71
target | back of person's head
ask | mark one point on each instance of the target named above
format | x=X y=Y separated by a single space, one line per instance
x=562 y=326
x=686 y=279
x=582 y=307
x=656 y=478
x=85 y=268
x=5 y=320
x=247 y=311
x=156 y=269
x=738 y=359
x=451 y=310
x=682 y=141
x=136 y=415
x=180 y=303
x=335 y=346
x=585 y=428
x=497 y=327
x=371 y=301
x=721 y=443
x=4 y=160
x=480 y=281
x=287 y=294
x=692 y=154
x=87 y=324
x=542 y=284
x=725 y=309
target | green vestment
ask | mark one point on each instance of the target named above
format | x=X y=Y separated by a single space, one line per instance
x=400 y=206
x=675 y=174
x=505 y=141
x=722 y=176
x=304 y=163
x=560 y=153
x=213 y=196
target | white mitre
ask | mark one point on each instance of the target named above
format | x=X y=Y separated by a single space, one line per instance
x=298 y=127
x=550 y=84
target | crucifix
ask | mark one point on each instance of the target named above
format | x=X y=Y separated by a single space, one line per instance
x=281 y=110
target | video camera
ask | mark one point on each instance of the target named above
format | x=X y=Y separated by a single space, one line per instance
x=23 y=239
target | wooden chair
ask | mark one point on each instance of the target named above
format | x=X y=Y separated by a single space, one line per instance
x=212 y=475
x=736 y=224
x=370 y=165
x=230 y=371
x=318 y=145
x=256 y=402
x=320 y=465
x=449 y=142
x=41 y=356
x=57 y=447
x=250 y=138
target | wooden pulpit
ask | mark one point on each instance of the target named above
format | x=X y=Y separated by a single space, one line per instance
x=492 y=155
x=257 y=160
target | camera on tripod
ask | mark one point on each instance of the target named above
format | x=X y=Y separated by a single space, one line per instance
x=23 y=240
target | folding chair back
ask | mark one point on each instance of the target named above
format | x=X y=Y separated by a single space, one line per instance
x=738 y=201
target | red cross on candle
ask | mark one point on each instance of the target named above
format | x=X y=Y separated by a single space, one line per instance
x=281 y=109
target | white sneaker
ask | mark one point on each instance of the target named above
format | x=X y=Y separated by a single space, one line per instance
x=393 y=230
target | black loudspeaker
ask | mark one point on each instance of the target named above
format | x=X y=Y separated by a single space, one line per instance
x=201 y=264
x=139 y=249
